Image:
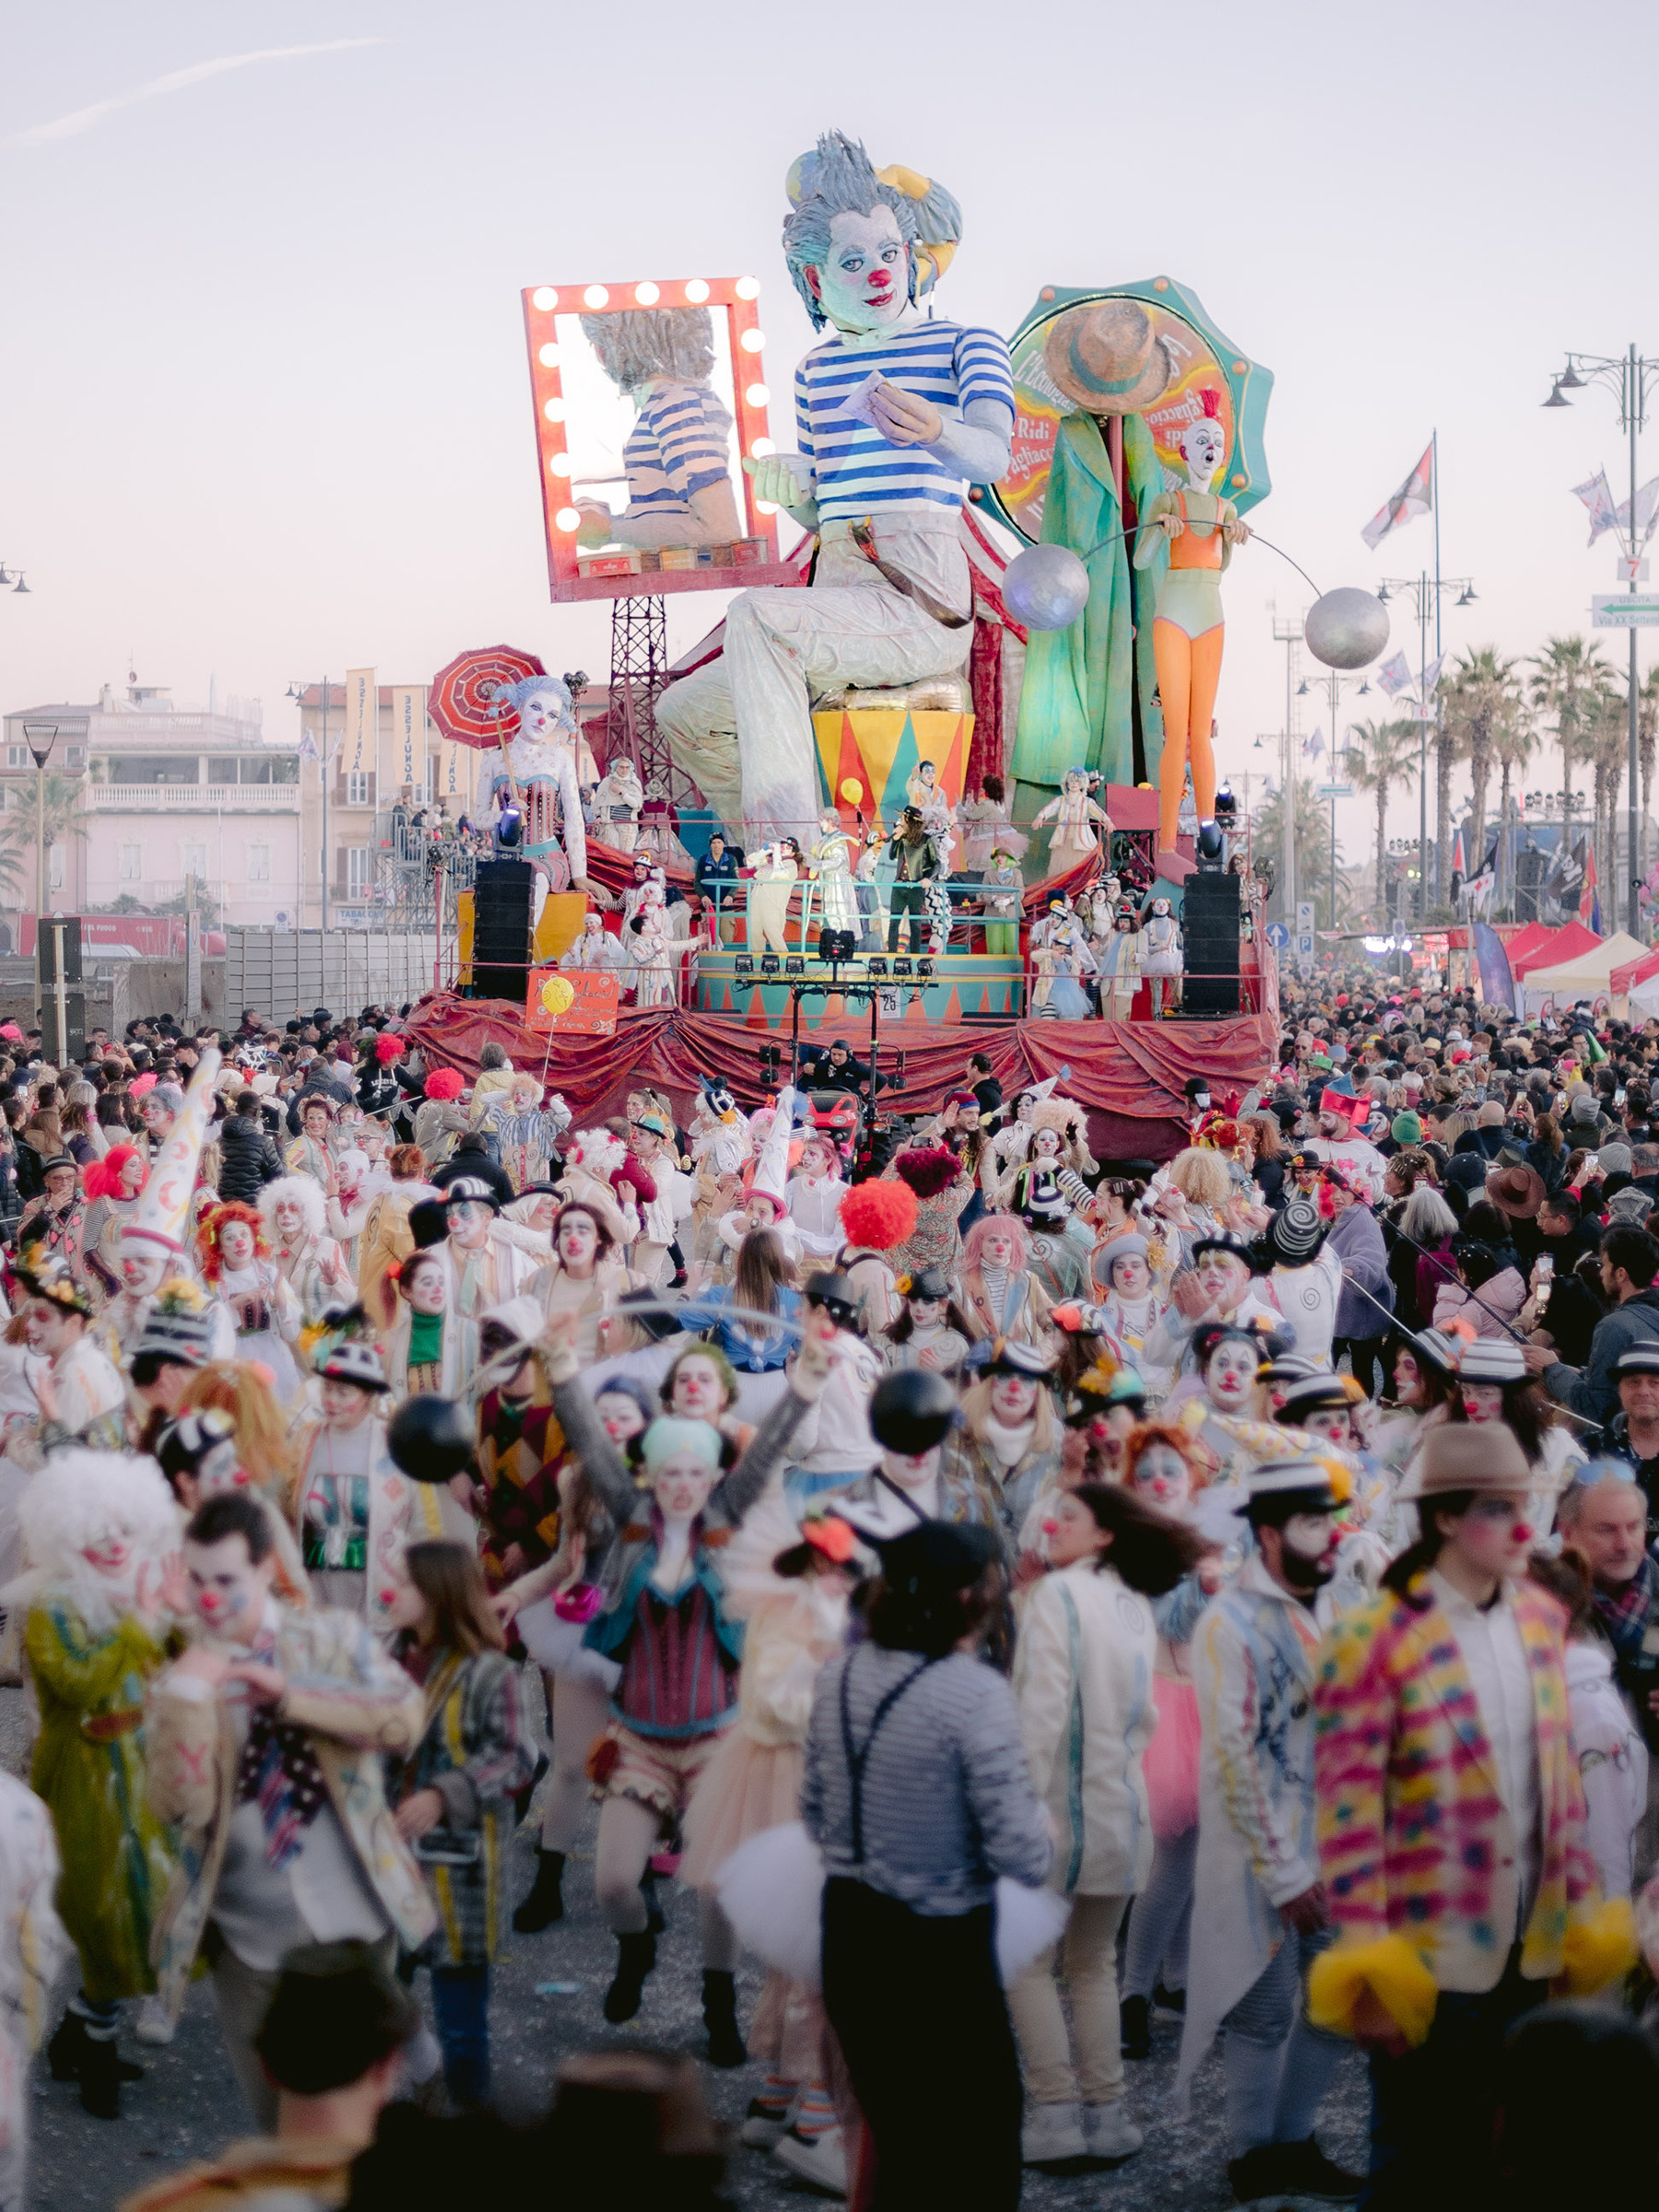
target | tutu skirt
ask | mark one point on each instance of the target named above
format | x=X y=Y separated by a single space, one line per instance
x=1170 y=1760
x=771 y=1890
x=744 y=1789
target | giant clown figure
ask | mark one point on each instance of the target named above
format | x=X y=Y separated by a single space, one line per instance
x=895 y=415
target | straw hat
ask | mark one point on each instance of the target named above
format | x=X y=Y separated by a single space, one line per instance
x=1104 y=358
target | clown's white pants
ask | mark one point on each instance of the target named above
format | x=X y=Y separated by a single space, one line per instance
x=742 y=728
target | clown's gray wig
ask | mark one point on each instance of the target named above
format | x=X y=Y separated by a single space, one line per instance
x=838 y=179
x=643 y=342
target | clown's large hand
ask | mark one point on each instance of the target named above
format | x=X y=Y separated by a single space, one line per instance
x=903 y=418
x=783 y=478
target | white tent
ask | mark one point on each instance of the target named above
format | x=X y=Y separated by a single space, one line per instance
x=1585 y=977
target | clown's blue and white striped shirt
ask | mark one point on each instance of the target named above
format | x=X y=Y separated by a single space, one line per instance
x=858 y=472
x=677 y=447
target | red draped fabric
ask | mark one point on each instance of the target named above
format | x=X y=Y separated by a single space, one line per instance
x=1131 y=1074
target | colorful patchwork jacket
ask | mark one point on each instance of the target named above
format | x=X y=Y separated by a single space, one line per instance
x=1415 y=1840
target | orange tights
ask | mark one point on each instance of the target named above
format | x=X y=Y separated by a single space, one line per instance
x=1189 y=673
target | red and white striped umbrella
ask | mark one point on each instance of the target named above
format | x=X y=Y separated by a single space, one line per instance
x=464 y=700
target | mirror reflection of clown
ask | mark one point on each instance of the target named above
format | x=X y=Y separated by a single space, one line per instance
x=679 y=488
x=1201 y=529
x=894 y=415
x=547 y=759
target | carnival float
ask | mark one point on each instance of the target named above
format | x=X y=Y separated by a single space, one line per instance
x=943 y=778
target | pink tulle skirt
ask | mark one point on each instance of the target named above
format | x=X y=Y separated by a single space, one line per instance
x=1170 y=1763
x=746 y=1788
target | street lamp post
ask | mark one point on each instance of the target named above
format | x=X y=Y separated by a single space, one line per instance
x=1336 y=682
x=1424 y=591
x=41 y=736
x=297 y=692
x=1627 y=374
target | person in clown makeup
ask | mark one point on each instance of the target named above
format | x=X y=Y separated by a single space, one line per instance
x=895 y=414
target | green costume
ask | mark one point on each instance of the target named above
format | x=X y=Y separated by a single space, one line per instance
x=89 y=1765
x=1076 y=709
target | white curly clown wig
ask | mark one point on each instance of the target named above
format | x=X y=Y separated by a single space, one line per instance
x=306 y=1192
x=83 y=1499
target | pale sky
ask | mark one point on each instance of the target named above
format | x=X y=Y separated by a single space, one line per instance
x=264 y=386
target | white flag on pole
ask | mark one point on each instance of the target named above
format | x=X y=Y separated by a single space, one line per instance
x=1394 y=677
x=1597 y=497
x=1315 y=746
x=1432 y=676
x=1647 y=513
x=1414 y=497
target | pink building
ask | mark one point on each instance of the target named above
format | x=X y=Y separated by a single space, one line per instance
x=166 y=796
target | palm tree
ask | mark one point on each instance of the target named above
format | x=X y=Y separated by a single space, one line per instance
x=1311 y=837
x=1484 y=693
x=1647 y=730
x=1448 y=752
x=1566 y=677
x=1378 y=755
x=19 y=826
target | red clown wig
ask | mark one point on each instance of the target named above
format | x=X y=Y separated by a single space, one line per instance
x=879 y=1214
x=212 y=1227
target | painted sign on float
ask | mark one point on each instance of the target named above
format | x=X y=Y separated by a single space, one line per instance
x=576 y=1003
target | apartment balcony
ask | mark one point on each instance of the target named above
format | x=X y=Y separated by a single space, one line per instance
x=193 y=798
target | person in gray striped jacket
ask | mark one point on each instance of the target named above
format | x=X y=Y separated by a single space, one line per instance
x=917 y=1791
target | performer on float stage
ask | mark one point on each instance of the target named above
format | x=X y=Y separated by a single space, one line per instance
x=894 y=414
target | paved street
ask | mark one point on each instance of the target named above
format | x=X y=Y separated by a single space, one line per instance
x=188 y=2104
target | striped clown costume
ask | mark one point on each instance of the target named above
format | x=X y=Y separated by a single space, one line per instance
x=895 y=414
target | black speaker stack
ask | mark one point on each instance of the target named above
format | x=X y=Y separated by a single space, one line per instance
x=501 y=929
x=1209 y=928
x=62 y=1016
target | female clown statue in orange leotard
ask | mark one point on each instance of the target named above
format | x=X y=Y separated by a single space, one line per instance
x=1201 y=529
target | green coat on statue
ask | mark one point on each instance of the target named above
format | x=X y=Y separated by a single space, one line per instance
x=1076 y=699
x=89 y=1767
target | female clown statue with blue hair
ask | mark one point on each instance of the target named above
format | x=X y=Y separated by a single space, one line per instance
x=895 y=415
x=540 y=767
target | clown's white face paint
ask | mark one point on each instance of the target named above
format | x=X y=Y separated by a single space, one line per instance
x=228 y=1593
x=1230 y=1376
x=469 y=1225
x=1013 y=1399
x=698 y=1393
x=236 y=1244
x=423 y=1286
x=619 y=1417
x=1001 y=1250
x=578 y=1243
x=542 y=715
x=1223 y=1277
x=1483 y=1401
x=864 y=282
x=142 y=1266
x=1204 y=448
x=1162 y=1477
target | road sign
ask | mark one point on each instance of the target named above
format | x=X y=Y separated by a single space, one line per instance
x=1334 y=791
x=1632 y=568
x=1304 y=917
x=1278 y=934
x=1625 y=610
